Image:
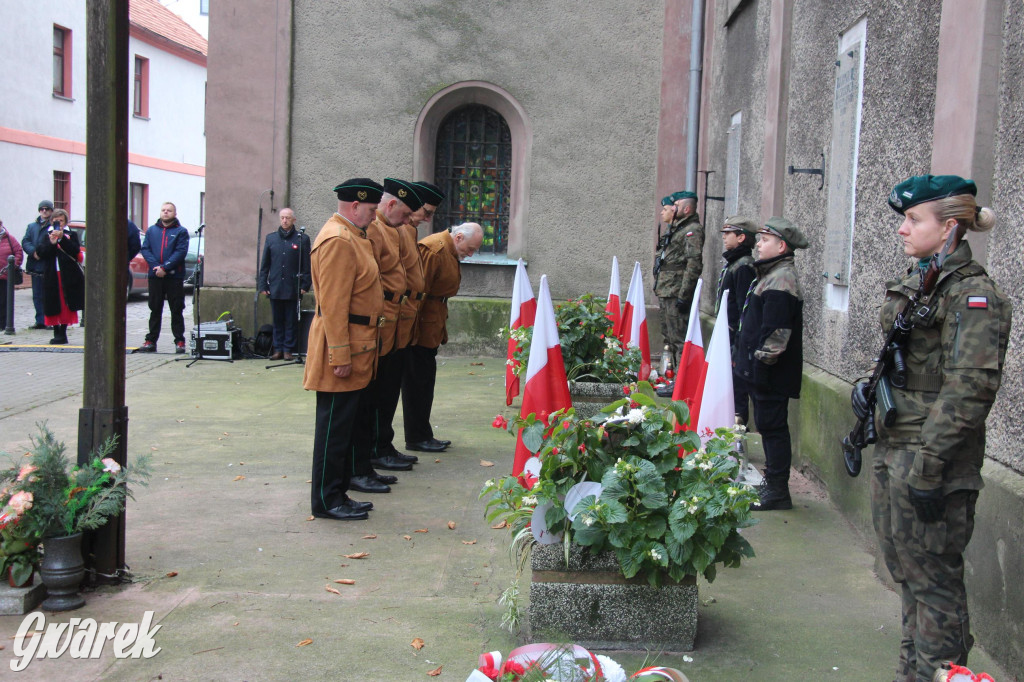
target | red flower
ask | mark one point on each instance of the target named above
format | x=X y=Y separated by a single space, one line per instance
x=554 y=451
x=499 y=422
x=543 y=416
x=512 y=667
x=583 y=448
x=633 y=404
x=625 y=390
x=491 y=673
x=566 y=424
x=601 y=336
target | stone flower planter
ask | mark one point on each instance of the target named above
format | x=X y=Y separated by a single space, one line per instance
x=590 y=603
x=589 y=398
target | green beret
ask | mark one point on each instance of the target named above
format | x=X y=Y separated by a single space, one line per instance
x=739 y=223
x=405 y=191
x=676 y=196
x=431 y=194
x=922 y=188
x=786 y=231
x=359 y=189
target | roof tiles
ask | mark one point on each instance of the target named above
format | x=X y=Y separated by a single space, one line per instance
x=154 y=17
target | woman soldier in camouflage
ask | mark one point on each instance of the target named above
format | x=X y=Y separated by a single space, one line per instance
x=927 y=464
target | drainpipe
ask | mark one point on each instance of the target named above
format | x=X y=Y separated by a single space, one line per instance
x=696 y=75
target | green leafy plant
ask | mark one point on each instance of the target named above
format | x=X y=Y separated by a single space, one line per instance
x=63 y=499
x=590 y=350
x=665 y=514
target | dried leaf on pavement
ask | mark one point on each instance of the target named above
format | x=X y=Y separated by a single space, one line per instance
x=486 y=463
x=332 y=590
x=469 y=542
x=238 y=478
x=311 y=517
x=421 y=530
x=345 y=581
x=451 y=525
x=407 y=537
x=370 y=537
x=435 y=672
x=503 y=524
x=437 y=461
x=417 y=644
x=357 y=555
x=172 y=574
x=304 y=642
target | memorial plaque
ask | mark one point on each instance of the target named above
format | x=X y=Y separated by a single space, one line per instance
x=842 y=165
x=732 y=165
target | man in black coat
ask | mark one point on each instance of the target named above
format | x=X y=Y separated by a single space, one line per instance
x=33 y=265
x=284 y=276
x=738 y=235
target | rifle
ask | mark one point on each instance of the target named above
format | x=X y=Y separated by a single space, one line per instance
x=657 y=254
x=890 y=367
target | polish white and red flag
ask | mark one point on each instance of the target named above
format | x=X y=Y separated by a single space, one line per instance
x=717 y=409
x=524 y=309
x=546 y=388
x=690 y=373
x=634 y=323
x=613 y=309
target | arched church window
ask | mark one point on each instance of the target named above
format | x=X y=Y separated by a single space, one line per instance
x=473 y=167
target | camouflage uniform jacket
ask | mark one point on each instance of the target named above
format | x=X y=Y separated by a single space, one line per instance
x=681 y=259
x=769 y=345
x=954 y=367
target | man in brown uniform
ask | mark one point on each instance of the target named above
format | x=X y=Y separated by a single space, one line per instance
x=391 y=376
x=440 y=254
x=342 y=351
x=396 y=205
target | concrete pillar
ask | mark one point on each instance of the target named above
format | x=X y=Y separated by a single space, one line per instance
x=967 y=96
x=776 y=108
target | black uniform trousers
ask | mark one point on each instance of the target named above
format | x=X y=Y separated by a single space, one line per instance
x=369 y=419
x=390 y=388
x=172 y=290
x=332 y=445
x=418 y=378
x=741 y=397
x=771 y=415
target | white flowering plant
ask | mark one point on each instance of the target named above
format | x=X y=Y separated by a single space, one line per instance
x=628 y=482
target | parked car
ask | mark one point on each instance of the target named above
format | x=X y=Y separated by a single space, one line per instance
x=194 y=260
x=138 y=267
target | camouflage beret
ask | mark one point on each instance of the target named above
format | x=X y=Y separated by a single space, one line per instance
x=786 y=231
x=922 y=188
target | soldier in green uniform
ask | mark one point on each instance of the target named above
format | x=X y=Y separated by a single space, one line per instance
x=926 y=471
x=678 y=266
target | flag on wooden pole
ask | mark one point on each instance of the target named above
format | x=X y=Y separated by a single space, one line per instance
x=717 y=409
x=691 y=368
x=634 y=323
x=524 y=309
x=613 y=309
x=546 y=389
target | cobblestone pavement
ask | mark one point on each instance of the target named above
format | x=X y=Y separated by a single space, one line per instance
x=33 y=373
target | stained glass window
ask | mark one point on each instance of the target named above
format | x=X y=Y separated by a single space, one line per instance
x=473 y=167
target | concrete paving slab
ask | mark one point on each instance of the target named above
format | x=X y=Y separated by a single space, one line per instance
x=251 y=570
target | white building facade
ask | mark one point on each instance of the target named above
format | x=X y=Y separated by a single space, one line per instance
x=43 y=112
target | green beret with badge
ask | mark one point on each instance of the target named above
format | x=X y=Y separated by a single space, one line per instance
x=430 y=193
x=405 y=191
x=922 y=188
x=677 y=196
x=786 y=231
x=739 y=223
x=359 y=189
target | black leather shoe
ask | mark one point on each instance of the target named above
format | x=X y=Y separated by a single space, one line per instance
x=367 y=484
x=442 y=443
x=358 y=506
x=391 y=463
x=425 y=446
x=342 y=513
x=386 y=479
x=402 y=457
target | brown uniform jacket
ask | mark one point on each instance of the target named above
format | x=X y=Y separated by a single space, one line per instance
x=349 y=301
x=384 y=239
x=410 y=255
x=441 y=279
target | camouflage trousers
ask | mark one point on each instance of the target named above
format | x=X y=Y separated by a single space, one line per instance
x=675 y=314
x=926 y=562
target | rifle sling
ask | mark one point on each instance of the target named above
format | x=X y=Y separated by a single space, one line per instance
x=929 y=383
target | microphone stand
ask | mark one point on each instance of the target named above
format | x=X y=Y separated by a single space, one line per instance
x=197 y=285
x=259 y=255
x=300 y=356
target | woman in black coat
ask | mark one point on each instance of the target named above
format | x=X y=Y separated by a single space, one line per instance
x=63 y=280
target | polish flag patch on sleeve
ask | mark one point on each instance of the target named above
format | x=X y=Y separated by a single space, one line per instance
x=977 y=302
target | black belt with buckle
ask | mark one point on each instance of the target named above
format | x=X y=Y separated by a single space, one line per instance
x=392 y=296
x=367 y=321
x=418 y=296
